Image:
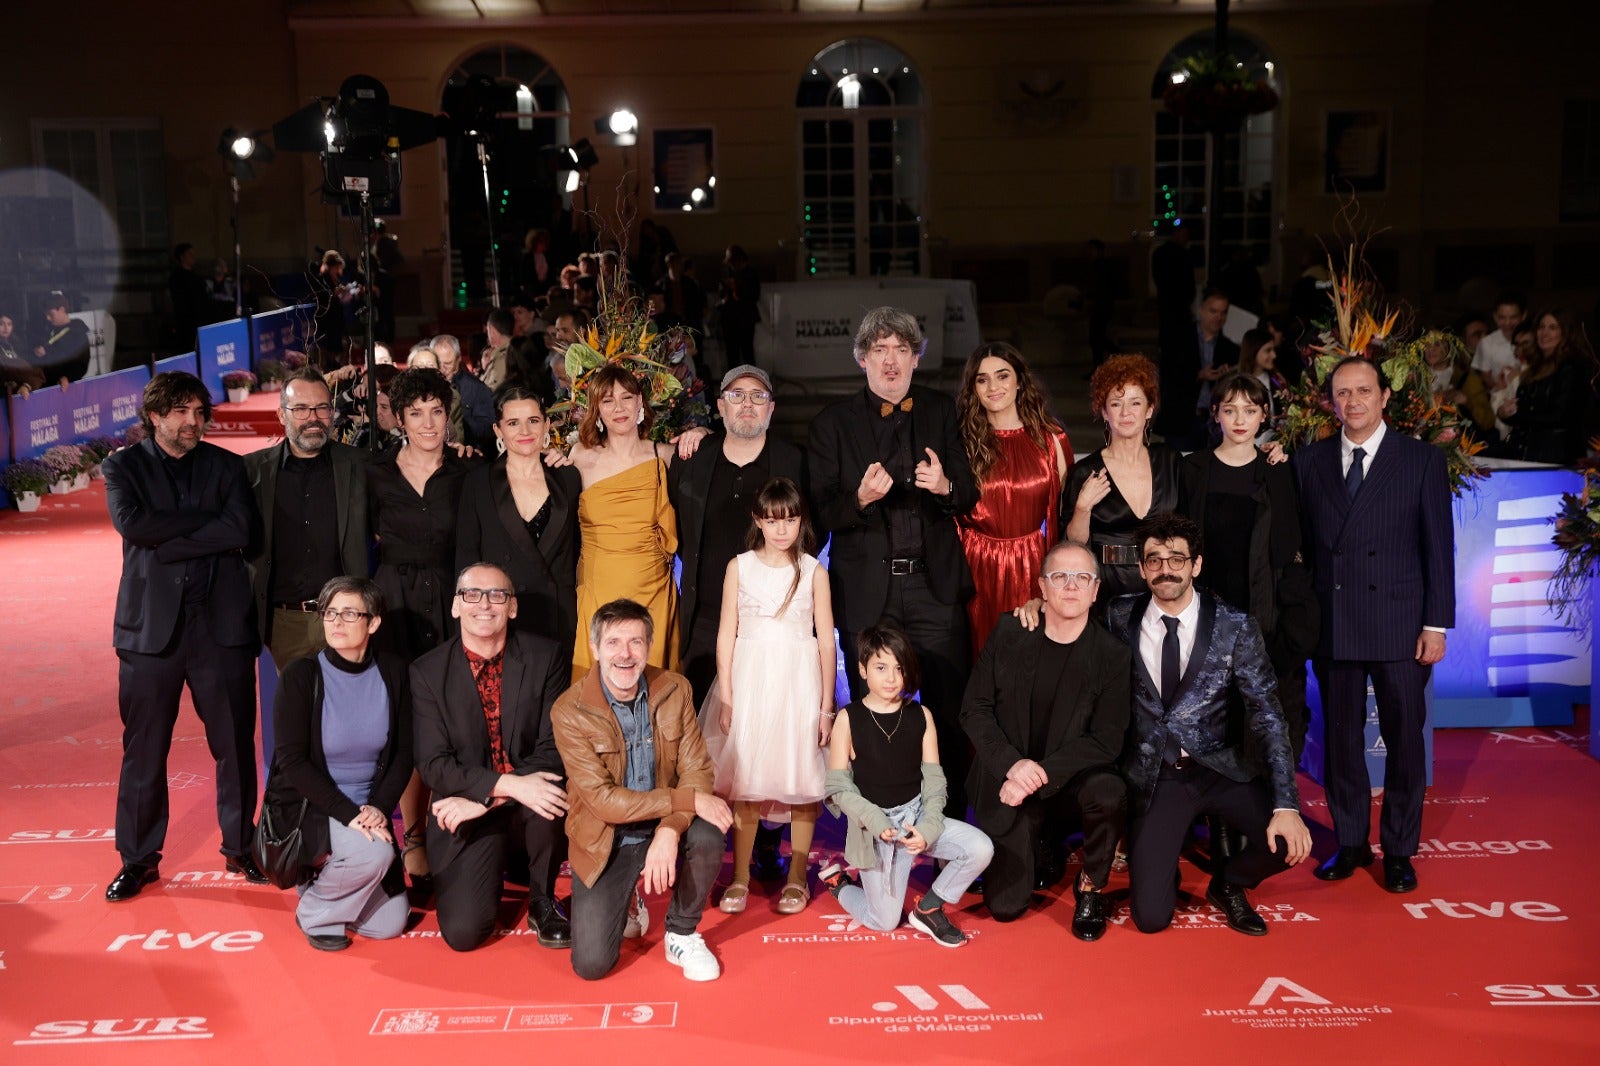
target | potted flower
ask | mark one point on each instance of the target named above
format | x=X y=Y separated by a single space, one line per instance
x=26 y=480
x=238 y=383
x=272 y=372
x=96 y=449
x=65 y=462
x=293 y=360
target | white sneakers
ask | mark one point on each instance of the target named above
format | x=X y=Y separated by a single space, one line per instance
x=689 y=951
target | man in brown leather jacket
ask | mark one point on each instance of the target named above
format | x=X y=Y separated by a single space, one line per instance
x=639 y=798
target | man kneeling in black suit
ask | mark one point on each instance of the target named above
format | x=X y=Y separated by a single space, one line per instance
x=1192 y=654
x=1046 y=711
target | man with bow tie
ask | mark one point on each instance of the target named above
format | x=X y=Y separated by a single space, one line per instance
x=889 y=475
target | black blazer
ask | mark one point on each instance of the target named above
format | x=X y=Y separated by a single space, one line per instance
x=451 y=736
x=350 y=517
x=688 y=487
x=490 y=530
x=1088 y=719
x=1383 y=564
x=158 y=540
x=300 y=769
x=1228 y=658
x=841 y=447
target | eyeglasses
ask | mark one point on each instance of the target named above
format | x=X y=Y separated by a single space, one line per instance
x=759 y=397
x=1165 y=562
x=479 y=595
x=300 y=411
x=349 y=614
x=1070 y=579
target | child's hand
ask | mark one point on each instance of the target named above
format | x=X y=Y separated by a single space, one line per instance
x=913 y=840
x=890 y=835
x=825 y=724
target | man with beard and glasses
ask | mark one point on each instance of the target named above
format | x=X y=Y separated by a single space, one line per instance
x=311 y=492
x=183 y=616
x=1193 y=656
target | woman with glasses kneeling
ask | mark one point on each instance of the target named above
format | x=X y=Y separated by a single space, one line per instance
x=344 y=745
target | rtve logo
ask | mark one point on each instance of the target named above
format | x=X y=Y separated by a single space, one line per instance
x=117 y=1030
x=1530 y=910
x=162 y=939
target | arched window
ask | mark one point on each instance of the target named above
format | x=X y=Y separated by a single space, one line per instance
x=862 y=158
x=515 y=103
x=1182 y=170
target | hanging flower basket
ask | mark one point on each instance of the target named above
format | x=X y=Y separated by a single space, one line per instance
x=1216 y=94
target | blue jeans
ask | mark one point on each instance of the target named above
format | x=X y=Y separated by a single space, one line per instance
x=879 y=902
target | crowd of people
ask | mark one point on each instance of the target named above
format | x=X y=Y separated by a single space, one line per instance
x=485 y=634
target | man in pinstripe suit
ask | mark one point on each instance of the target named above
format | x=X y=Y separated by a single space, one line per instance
x=1376 y=507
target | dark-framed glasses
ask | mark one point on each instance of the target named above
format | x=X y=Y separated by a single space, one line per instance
x=1165 y=562
x=479 y=595
x=1070 y=579
x=302 y=411
x=348 y=614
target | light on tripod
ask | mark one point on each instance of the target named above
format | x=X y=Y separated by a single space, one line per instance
x=574 y=179
x=623 y=121
x=243 y=146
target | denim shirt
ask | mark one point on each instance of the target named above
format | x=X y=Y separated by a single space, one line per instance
x=639 y=741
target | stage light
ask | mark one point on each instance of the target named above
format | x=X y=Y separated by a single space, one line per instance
x=623 y=121
x=574 y=179
x=688 y=207
x=710 y=182
x=243 y=147
x=583 y=155
x=697 y=194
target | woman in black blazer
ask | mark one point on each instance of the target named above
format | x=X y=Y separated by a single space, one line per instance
x=523 y=517
x=343 y=721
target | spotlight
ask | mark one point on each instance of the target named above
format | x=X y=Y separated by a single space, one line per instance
x=697 y=194
x=583 y=155
x=238 y=147
x=243 y=147
x=574 y=179
x=623 y=121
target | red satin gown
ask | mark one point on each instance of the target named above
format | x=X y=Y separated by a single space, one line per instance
x=1006 y=534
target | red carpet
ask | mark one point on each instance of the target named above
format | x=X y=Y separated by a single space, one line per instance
x=203 y=967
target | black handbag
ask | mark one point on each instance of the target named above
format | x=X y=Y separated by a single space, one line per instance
x=278 y=844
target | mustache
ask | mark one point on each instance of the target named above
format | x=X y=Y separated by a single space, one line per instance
x=1167 y=581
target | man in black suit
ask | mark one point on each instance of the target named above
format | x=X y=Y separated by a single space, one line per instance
x=311 y=493
x=1047 y=711
x=481 y=710
x=184 y=511
x=1191 y=362
x=1376 y=506
x=1193 y=656
x=889 y=475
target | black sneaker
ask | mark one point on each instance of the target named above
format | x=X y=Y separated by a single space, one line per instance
x=937 y=925
x=833 y=877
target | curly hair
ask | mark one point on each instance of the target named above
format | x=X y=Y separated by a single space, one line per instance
x=976 y=433
x=414 y=386
x=1121 y=372
x=169 y=389
x=601 y=383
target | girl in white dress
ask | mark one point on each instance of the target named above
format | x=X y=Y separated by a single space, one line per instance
x=769 y=715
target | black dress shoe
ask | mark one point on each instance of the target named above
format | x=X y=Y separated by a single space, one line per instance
x=246 y=865
x=1089 y=917
x=1231 y=901
x=337 y=942
x=546 y=918
x=129 y=880
x=1342 y=863
x=1398 y=875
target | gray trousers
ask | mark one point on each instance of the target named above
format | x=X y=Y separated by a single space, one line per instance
x=880 y=901
x=348 y=892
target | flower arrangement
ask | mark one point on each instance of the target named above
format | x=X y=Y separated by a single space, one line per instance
x=238 y=379
x=97 y=448
x=28 y=475
x=271 y=370
x=135 y=434
x=65 y=462
x=1356 y=329
x=1578 y=537
x=624 y=333
x=1216 y=93
x=293 y=360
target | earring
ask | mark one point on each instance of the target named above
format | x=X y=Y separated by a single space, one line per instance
x=602 y=427
x=499 y=445
x=1105 y=434
x=1147 y=432
x=640 y=420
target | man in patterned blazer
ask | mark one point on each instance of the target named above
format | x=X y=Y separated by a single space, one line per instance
x=1192 y=655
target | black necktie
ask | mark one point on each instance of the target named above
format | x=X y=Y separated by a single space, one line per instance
x=1170 y=671
x=1352 y=477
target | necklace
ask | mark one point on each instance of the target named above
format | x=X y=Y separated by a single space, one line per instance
x=899 y=716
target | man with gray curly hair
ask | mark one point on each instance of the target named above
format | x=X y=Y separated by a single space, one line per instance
x=888 y=476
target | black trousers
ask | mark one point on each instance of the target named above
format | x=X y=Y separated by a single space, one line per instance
x=1401 y=690
x=467 y=888
x=600 y=911
x=222 y=684
x=700 y=655
x=938 y=634
x=1098 y=798
x=1158 y=835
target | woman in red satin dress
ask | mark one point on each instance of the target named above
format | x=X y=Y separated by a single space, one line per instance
x=1020 y=457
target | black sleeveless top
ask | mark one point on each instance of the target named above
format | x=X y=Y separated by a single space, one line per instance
x=887 y=771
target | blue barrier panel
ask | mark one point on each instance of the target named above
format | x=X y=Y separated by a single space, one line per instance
x=5 y=450
x=224 y=347
x=273 y=333
x=189 y=364
x=94 y=407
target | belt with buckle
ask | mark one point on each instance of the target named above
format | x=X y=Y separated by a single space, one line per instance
x=902 y=567
x=1119 y=554
x=302 y=606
